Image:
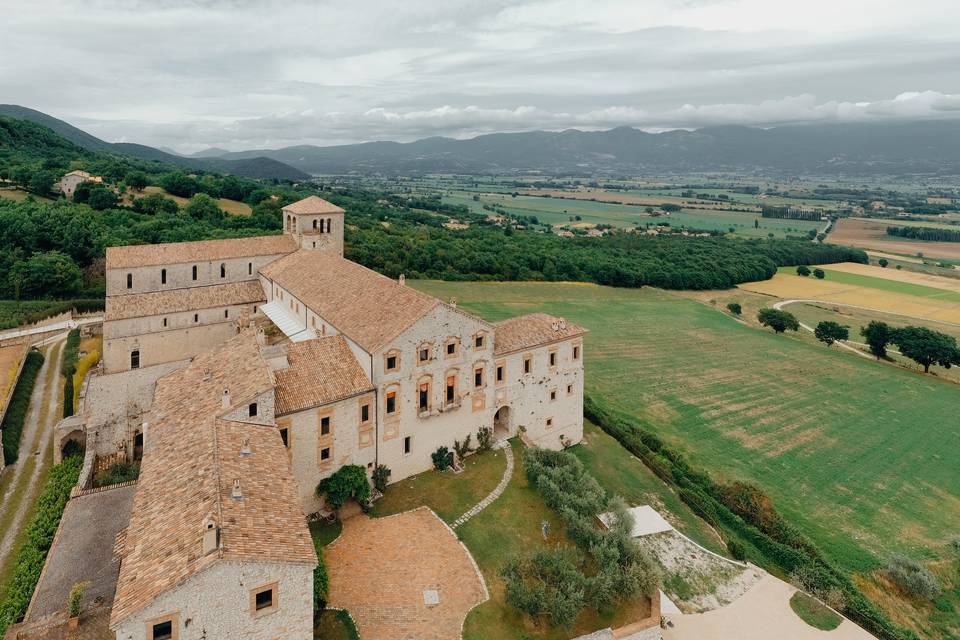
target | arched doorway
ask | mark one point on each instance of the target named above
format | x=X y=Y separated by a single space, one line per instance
x=501 y=423
x=74 y=443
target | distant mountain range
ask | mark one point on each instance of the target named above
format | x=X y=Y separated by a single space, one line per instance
x=894 y=148
x=253 y=166
x=822 y=149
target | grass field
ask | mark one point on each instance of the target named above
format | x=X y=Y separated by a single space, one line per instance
x=558 y=212
x=229 y=206
x=856 y=454
x=19 y=194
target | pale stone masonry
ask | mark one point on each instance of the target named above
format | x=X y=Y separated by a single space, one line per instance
x=235 y=433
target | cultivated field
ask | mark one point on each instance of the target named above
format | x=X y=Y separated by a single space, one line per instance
x=857 y=454
x=230 y=206
x=872 y=234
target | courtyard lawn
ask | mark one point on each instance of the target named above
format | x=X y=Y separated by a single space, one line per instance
x=450 y=495
x=860 y=456
x=813 y=612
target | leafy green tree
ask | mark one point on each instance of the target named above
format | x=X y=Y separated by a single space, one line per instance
x=829 y=332
x=41 y=183
x=47 y=275
x=803 y=270
x=179 y=184
x=778 y=320
x=878 y=335
x=136 y=180
x=102 y=197
x=735 y=308
x=819 y=274
x=927 y=347
x=154 y=203
x=883 y=262
x=203 y=207
x=349 y=482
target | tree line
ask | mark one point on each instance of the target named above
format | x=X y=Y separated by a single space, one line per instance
x=925 y=233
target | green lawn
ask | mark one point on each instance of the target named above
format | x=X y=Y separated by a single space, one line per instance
x=813 y=613
x=861 y=457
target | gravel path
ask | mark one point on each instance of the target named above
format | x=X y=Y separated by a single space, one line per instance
x=34 y=447
x=498 y=490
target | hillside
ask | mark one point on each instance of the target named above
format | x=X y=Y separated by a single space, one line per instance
x=846 y=149
x=256 y=166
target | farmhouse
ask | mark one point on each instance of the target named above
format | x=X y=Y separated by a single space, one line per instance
x=69 y=182
x=243 y=372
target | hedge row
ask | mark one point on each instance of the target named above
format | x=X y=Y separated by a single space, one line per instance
x=769 y=539
x=19 y=404
x=68 y=367
x=33 y=553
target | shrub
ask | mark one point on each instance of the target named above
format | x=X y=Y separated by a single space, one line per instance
x=321 y=583
x=803 y=270
x=883 y=262
x=548 y=584
x=778 y=320
x=40 y=531
x=12 y=425
x=462 y=448
x=912 y=577
x=68 y=367
x=349 y=482
x=820 y=274
x=116 y=473
x=735 y=308
x=484 y=438
x=441 y=458
x=380 y=477
x=737 y=550
x=84 y=365
x=75 y=599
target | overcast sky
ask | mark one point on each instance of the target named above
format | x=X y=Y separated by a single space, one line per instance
x=243 y=74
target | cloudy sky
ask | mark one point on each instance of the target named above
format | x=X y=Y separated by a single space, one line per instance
x=243 y=74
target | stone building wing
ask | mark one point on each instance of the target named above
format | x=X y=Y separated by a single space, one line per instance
x=193 y=461
x=320 y=371
x=138 y=305
x=532 y=330
x=369 y=308
x=146 y=255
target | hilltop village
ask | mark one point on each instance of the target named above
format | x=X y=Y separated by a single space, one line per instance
x=241 y=373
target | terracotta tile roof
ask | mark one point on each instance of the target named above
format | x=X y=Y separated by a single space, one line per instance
x=321 y=371
x=145 y=255
x=367 y=307
x=135 y=305
x=311 y=205
x=190 y=463
x=524 y=332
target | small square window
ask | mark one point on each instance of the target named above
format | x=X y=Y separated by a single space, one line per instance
x=549 y=422
x=264 y=599
x=325 y=426
x=451 y=348
x=162 y=630
x=478 y=341
x=391 y=363
x=364 y=412
x=424 y=354
x=406 y=445
x=553 y=395
x=252 y=409
x=325 y=453
x=569 y=389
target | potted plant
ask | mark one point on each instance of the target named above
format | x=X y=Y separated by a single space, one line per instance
x=74 y=601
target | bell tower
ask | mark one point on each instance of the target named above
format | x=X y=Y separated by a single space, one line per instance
x=315 y=224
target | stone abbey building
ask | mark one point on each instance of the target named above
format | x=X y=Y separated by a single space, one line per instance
x=242 y=372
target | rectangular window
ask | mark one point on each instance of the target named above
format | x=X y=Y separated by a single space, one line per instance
x=553 y=394
x=135 y=359
x=576 y=352
x=478 y=377
x=423 y=401
x=129 y=281
x=226 y=313
x=406 y=445
x=325 y=426
x=163 y=276
x=391 y=363
x=527 y=365
x=263 y=600
x=451 y=389
x=549 y=422
x=553 y=358
x=364 y=412
x=325 y=453
x=569 y=389
x=478 y=341
x=196 y=317
x=252 y=409
x=285 y=436
x=249 y=268
x=424 y=354
x=391 y=402
x=162 y=630
x=194 y=272
x=451 y=348
x=500 y=373
x=164 y=322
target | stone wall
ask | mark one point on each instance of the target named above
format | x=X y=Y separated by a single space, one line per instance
x=180 y=275
x=216 y=602
x=161 y=346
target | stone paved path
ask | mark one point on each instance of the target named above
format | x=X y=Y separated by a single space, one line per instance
x=501 y=486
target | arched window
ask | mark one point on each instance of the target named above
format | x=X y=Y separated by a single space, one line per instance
x=249 y=268
x=223 y=270
x=314 y=223
x=129 y=281
x=329 y=225
x=252 y=409
x=163 y=276
x=194 y=272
